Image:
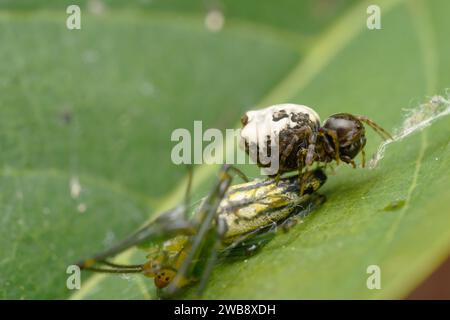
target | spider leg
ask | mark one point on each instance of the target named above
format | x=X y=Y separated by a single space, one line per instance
x=383 y=133
x=311 y=149
x=363 y=158
x=347 y=159
x=303 y=132
x=288 y=150
x=335 y=139
x=301 y=154
x=327 y=145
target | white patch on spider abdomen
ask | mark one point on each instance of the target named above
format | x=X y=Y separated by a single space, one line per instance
x=261 y=124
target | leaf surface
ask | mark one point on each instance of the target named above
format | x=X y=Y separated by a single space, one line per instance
x=96 y=108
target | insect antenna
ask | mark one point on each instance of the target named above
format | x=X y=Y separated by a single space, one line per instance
x=123 y=266
x=113 y=270
x=113 y=267
x=167 y=224
x=239 y=173
x=187 y=195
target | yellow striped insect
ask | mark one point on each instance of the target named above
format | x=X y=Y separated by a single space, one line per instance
x=183 y=250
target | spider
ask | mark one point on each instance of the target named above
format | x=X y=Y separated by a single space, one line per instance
x=230 y=220
x=295 y=134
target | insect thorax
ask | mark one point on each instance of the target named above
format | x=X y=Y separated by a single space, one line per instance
x=257 y=204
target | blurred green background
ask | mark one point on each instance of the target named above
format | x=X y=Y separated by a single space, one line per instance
x=96 y=107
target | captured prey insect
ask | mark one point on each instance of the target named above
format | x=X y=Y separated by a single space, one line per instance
x=299 y=138
x=183 y=250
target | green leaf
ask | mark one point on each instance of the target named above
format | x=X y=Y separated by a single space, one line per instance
x=98 y=106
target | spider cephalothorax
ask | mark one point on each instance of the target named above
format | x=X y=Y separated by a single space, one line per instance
x=295 y=134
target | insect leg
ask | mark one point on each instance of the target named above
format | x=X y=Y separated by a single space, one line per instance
x=167 y=224
x=221 y=229
x=171 y=222
x=239 y=173
x=247 y=244
x=200 y=241
x=383 y=133
x=311 y=202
